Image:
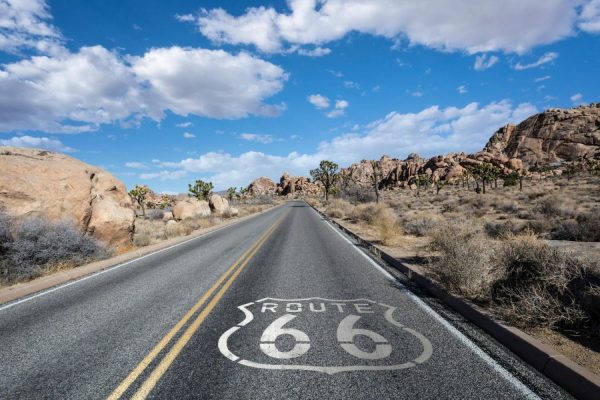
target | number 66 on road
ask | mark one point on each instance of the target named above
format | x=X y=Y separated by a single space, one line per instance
x=345 y=336
x=340 y=317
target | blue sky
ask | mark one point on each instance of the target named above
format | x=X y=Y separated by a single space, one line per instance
x=162 y=93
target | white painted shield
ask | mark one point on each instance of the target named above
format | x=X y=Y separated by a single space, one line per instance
x=289 y=317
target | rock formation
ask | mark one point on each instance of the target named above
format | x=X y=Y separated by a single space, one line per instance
x=262 y=186
x=218 y=204
x=292 y=185
x=553 y=136
x=190 y=208
x=55 y=186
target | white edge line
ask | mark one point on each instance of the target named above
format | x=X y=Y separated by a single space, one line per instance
x=98 y=273
x=455 y=332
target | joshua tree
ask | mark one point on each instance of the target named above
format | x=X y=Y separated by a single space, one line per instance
x=327 y=174
x=200 y=190
x=439 y=184
x=375 y=177
x=231 y=192
x=422 y=180
x=139 y=193
x=484 y=172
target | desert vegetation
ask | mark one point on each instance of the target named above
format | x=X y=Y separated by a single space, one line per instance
x=33 y=246
x=525 y=249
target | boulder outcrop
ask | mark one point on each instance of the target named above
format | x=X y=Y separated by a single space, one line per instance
x=292 y=185
x=262 y=186
x=554 y=136
x=218 y=204
x=190 y=208
x=55 y=186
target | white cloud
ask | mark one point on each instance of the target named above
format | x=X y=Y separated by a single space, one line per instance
x=38 y=143
x=338 y=109
x=416 y=93
x=546 y=58
x=482 y=62
x=254 y=137
x=542 y=78
x=184 y=125
x=462 y=89
x=431 y=131
x=510 y=25
x=576 y=98
x=590 y=17
x=136 y=165
x=341 y=104
x=351 y=85
x=164 y=175
x=76 y=92
x=318 y=100
x=26 y=25
x=188 y=135
x=316 y=52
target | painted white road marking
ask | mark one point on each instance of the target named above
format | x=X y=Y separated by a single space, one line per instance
x=455 y=332
x=346 y=334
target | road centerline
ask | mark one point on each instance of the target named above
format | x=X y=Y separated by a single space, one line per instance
x=163 y=343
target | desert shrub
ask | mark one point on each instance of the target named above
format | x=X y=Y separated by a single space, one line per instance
x=5 y=236
x=507 y=206
x=155 y=214
x=338 y=208
x=148 y=232
x=174 y=229
x=540 y=285
x=448 y=207
x=39 y=244
x=464 y=262
x=502 y=229
x=368 y=212
x=585 y=228
x=419 y=225
x=386 y=224
x=229 y=213
x=553 y=206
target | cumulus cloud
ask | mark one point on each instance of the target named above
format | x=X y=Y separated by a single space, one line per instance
x=338 y=110
x=254 y=137
x=316 y=52
x=462 y=89
x=431 y=131
x=471 y=26
x=545 y=59
x=590 y=17
x=184 y=124
x=318 y=101
x=76 y=92
x=38 y=143
x=482 y=62
x=188 y=135
x=27 y=25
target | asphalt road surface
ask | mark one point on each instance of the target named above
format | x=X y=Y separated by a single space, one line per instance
x=280 y=306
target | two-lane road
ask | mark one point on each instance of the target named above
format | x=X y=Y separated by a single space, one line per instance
x=278 y=306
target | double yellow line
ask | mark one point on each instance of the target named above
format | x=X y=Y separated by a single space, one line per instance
x=172 y=354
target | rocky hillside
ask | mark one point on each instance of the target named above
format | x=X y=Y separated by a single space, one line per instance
x=553 y=136
x=55 y=186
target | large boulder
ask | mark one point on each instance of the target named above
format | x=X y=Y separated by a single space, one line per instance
x=218 y=204
x=190 y=208
x=58 y=187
